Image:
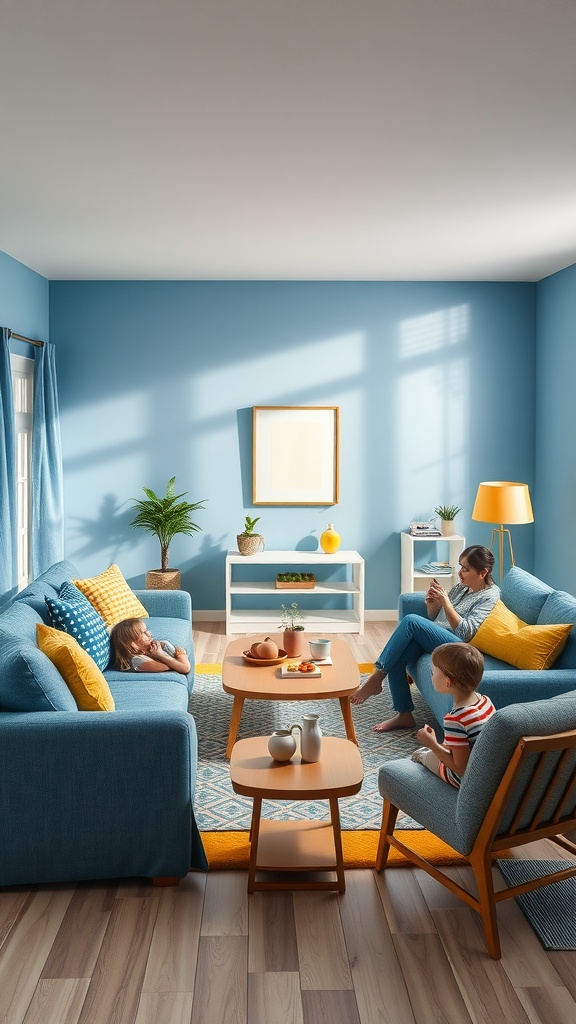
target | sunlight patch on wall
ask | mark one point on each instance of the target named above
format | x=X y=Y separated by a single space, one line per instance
x=302 y=374
x=422 y=335
x=432 y=412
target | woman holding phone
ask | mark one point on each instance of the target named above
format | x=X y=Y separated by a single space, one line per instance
x=451 y=617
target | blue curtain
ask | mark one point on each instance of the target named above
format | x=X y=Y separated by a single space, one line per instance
x=8 y=516
x=47 y=504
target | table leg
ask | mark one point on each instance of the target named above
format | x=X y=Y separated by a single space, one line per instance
x=335 y=818
x=348 y=720
x=234 y=723
x=254 y=834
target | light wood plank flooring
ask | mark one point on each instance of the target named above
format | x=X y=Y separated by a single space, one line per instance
x=395 y=948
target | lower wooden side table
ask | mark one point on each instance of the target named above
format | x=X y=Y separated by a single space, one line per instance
x=296 y=846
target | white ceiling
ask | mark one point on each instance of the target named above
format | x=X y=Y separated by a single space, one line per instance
x=289 y=139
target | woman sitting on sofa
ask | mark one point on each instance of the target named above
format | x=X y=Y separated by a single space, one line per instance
x=452 y=617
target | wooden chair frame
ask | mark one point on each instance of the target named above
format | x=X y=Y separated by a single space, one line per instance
x=490 y=841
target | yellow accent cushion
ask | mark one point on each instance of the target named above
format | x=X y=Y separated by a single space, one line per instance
x=78 y=670
x=111 y=596
x=503 y=635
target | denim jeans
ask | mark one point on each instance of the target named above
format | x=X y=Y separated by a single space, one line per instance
x=413 y=636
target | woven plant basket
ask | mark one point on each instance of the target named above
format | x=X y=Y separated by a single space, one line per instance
x=249 y=545
x=163 y=579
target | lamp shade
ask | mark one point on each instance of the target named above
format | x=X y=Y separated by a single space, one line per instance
x=502 y=501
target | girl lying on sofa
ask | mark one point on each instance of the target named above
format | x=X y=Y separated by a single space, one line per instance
x=134 y=650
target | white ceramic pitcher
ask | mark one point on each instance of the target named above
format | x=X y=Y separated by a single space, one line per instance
x=310 y=737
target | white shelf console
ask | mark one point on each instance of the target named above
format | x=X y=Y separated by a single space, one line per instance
x=317 y=620
x=410 y=578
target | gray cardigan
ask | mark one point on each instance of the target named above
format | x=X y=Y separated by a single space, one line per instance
x=472 y=607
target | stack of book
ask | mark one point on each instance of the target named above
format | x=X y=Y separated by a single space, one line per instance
x=424 y=530
x=436 y=568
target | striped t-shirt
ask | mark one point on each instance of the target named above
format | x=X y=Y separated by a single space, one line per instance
x=462 y=727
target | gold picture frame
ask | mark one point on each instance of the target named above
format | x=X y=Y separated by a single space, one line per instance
x=295 y=454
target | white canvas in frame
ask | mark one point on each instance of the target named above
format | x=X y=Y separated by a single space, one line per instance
x=295 y=455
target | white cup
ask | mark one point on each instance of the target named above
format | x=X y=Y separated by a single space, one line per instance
x=319 y=649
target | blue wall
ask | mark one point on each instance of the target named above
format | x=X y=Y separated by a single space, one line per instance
x=24 y=301
x=435 y=383
x=556 y=429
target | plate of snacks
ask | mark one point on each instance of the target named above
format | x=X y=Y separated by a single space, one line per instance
x=294 y=669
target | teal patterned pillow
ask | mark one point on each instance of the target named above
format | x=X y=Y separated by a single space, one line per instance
x=74 y=614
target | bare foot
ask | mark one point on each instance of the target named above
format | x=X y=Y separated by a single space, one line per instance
x=404 y=720
x=370 y=688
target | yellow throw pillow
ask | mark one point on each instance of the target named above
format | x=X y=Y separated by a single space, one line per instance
x=505 y=636
x=111 y=596
x=78 y=670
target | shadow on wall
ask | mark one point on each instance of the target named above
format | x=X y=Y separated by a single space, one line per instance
x=109 y=532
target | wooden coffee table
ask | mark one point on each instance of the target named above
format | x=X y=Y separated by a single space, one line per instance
x=264 y=682
x=296 y=846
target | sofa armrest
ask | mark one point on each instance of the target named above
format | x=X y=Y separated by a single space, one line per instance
x=168 y=604
x=96 y=795
x=412 y=604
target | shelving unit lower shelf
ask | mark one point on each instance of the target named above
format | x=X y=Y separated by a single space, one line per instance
x=317 y=619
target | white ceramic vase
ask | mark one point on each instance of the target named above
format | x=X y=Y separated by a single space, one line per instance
x=310 y=737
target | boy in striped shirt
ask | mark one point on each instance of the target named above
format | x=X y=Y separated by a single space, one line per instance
x=456 y=669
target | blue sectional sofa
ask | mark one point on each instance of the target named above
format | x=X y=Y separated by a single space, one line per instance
x=94 y=794
x=536 y=604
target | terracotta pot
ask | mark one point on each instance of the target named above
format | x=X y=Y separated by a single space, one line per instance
x=293 y=642
x=163 y=579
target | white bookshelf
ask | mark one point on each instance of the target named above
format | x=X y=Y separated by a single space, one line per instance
x=447 y=548
x=318 y=620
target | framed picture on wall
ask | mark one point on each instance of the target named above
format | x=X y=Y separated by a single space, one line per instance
x=295 y=454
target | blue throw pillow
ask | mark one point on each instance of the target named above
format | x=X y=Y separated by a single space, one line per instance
x=73 y=613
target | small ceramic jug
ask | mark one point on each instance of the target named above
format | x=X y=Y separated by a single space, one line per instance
x=282 y=744
x=310 y=737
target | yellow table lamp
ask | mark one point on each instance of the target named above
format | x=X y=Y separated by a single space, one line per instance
x=502 y=501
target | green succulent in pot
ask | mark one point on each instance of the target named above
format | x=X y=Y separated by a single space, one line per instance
x=447 y=512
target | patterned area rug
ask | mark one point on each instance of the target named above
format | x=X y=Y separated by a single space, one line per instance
x=218 y=808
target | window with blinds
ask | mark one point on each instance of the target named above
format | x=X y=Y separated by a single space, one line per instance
x=23 y=395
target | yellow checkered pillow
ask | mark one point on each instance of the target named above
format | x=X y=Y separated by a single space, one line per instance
x=111 y=596
x=503 y=635
x=78 y=670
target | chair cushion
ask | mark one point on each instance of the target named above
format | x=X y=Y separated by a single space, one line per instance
x=111 y=596
x=80 y=673
x=73 y=613
x=503 y=635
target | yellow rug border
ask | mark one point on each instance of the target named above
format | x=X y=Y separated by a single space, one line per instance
x=211 y=668
x=228 y=851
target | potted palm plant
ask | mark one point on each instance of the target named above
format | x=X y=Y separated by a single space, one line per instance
x=165 y=516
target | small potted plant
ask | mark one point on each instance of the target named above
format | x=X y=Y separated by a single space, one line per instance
x=248 y=541
x=295 y=581
x=293 y=636
x=165 y=517
x=447 y=514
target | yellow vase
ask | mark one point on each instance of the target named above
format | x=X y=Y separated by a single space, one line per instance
x=330 y=540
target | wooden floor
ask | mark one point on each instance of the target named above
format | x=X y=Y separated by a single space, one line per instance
x=396 y=947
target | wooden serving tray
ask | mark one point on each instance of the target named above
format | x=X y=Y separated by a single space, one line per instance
x=303 y=585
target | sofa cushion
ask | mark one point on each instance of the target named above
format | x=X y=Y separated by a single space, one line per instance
x=72 y=613
x=561 y=607
x=111 y=596
x=524 y=594
x=503 y=635
x=80 y=673
x=28 y=679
